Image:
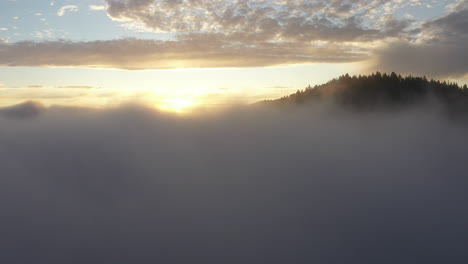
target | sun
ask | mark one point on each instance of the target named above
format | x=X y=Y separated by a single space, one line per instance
x=179 y=105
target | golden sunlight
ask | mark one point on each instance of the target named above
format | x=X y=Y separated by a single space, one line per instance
x=179 y=105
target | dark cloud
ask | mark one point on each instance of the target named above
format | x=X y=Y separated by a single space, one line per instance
x=315 y=185
x=441 y=52
x=451 y=27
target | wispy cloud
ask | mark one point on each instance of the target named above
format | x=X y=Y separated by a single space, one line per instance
x=97 y=7
x=67 y=9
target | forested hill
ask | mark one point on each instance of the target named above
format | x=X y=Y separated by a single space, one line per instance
x=377 y=90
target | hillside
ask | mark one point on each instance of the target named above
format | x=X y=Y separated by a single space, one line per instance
x=380 y=90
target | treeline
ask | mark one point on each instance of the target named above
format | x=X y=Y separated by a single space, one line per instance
x=379 y=89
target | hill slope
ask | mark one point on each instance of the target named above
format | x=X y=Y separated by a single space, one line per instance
x=380 y=90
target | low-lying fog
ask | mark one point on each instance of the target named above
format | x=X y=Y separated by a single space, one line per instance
x=249 y=185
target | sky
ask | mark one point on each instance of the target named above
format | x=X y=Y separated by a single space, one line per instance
x=178 y=54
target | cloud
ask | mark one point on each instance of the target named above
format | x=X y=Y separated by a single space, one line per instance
x=25 y=110
x=315 y=185
x=67 y=9
x=54 y=87
x=439 y=51
x=188 y=51
x=97 y=7
x=258 y=33
x=53 y=95
x=269 y=20
x=218 y=34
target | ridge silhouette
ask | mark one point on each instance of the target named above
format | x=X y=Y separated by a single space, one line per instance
x=367 y=92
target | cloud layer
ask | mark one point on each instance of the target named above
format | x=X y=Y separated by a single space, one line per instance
x=220 y=34
x=260 y=33
x=189 y=52
x=254 y=20
x=315 y=185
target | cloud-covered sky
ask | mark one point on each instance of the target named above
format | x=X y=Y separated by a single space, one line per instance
x=425 y=37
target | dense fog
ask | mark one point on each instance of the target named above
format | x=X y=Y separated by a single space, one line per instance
x=312 y=184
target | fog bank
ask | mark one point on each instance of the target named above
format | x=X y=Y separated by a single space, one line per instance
x=252 y=185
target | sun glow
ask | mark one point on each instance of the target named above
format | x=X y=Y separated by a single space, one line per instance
x=179 y=105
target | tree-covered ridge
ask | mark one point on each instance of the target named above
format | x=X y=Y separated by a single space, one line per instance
x=380 y=90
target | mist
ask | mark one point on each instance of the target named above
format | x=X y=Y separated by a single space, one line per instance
x=312 y=184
